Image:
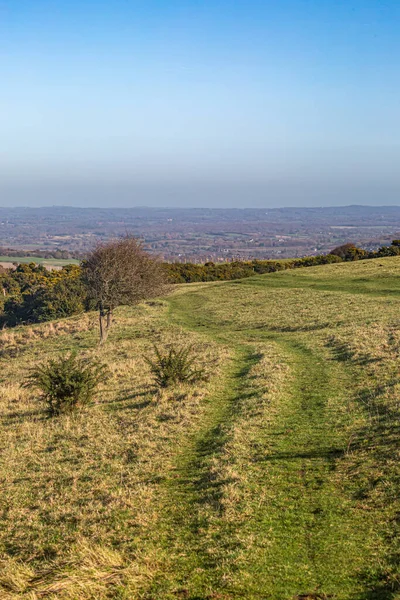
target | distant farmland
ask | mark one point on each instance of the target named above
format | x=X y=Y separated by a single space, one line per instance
x=9 y=261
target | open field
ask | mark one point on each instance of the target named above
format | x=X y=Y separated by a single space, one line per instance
x=276 y=478
x=8 y=261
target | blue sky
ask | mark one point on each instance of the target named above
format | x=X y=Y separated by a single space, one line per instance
x=200 y=103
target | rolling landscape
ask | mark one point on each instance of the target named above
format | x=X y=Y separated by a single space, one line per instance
x=199 y=300
x=196 y=234
x=276 y=475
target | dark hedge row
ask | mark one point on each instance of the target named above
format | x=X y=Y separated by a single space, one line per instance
x=63 y=254
x=191 y=272
x=31 y=294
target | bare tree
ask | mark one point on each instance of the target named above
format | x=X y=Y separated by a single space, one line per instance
x=120 y=272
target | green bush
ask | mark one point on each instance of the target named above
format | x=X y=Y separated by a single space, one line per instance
x=174 y=366
x=349 y=252
x=66 y=383
x=191 y=272
x=31 y=294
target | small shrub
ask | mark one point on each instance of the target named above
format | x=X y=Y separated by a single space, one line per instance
x=66 y=383
x=174 y=366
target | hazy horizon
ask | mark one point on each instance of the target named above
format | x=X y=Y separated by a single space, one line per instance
x=125 y=197
x=197 y=207
x=256 y=104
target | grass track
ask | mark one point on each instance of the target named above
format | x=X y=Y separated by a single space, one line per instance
x=317 y=545
x=194 y=493
x=311 y=541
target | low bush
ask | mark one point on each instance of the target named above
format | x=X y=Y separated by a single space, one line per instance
x=31 y=294
x=174 y=366
x=190 y=272
x=66 y=383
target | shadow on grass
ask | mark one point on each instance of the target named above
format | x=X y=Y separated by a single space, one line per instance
x=14 y=417
x=309 y=327
x=313 y=596
x=342 y=352
x=285 y=329
x=134 y=406
x=12 y=352
x=379 y=587
x=206 y=486
x=330 y=454
x=372 y=454
x=120 y=403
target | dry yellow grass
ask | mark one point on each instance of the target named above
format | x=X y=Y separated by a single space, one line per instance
x=79 y=491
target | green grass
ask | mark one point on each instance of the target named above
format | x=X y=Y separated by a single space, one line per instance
x=278 y=478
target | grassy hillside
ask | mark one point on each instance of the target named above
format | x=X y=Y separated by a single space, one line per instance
x=276 y=478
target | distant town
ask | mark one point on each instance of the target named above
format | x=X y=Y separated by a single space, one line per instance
x=197 y=235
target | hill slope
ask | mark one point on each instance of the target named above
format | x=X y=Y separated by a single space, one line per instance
x=277 y=478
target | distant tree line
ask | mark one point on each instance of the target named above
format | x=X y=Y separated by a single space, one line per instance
x=191 y=272
x=123 y=273
x=57 y=253
x=349 y=252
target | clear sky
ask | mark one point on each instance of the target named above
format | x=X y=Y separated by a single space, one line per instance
x=199 y=103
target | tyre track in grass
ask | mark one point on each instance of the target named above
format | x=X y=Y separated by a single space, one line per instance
x=316 y=542
x=196 y=540
x=307 y=539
